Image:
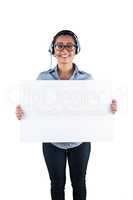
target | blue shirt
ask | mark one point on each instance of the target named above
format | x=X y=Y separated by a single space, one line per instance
x=52 y=74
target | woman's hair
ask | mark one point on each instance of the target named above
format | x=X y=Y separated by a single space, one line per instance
x=65 y=32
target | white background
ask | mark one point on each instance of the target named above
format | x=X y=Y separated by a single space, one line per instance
x=105 y=30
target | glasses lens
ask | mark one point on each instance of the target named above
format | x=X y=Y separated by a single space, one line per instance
x=59 y=46
x=70 y=47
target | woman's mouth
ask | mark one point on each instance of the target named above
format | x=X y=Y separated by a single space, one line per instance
x=64 y=56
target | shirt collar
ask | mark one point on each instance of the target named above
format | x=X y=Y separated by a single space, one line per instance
x=73 y=75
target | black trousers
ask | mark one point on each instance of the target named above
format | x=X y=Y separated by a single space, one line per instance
x=56 y=164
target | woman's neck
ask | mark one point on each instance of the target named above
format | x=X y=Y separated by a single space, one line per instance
x=65 y=71
x=65 y=68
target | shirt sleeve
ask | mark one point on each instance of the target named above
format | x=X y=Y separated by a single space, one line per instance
x=89 y=77
x=39 y=77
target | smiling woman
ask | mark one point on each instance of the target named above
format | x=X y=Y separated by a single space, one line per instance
x=64 y=47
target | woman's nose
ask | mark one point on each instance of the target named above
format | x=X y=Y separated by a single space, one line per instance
x=64 y=50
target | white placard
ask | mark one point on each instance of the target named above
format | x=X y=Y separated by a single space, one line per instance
x=66 y=111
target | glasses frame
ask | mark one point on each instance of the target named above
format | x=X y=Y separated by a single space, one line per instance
x=66 y=46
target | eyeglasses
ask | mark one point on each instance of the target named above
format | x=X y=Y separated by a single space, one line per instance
x=69 y=47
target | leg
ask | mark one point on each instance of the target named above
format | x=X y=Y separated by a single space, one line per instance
x=78 y=159
x=56 y=164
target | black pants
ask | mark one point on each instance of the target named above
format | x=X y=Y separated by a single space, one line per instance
x=56 y=163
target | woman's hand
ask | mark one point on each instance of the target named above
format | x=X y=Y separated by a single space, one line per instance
x=19 y=112
x=113 y=106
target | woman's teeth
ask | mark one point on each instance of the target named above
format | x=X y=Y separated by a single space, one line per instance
x=64 y=56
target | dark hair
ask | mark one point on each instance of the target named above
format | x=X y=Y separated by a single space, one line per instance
x=65 y=32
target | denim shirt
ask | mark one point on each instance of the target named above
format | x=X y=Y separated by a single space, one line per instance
x=52 y=74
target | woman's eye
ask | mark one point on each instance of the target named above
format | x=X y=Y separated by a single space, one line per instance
x=69 y=46
x=60 y=46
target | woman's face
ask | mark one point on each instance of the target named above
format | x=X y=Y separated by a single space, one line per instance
x=64 y=55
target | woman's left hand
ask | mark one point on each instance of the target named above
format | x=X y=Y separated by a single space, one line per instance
x=114 y=106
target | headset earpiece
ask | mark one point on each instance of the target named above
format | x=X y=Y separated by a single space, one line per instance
x=50 y=49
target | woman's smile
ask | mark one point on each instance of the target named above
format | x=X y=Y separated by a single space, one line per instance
x=64 y=56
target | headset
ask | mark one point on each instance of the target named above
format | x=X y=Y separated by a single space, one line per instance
x=65 y=32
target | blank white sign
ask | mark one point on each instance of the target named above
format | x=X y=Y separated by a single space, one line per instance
x=66 y=111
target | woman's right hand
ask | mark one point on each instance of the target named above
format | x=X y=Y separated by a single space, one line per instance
x=19 y=112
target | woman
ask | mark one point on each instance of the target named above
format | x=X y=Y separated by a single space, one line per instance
x=64 y=47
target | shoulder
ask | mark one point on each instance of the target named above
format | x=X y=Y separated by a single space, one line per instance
x=85 y=75
x=45 y=74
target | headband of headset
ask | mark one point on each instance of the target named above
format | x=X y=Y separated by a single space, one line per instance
x=65 y=32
